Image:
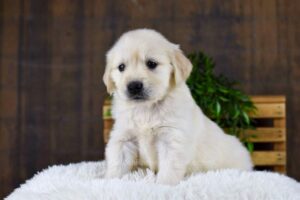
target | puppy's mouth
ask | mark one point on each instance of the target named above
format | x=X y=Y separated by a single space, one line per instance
x=138 y=97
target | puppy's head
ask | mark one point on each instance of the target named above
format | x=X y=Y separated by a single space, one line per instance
x=143 y=66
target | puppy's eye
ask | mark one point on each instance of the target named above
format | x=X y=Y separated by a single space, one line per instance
x=151 y=64
x=121 y=67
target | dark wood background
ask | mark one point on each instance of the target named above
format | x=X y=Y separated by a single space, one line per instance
x=52 y=60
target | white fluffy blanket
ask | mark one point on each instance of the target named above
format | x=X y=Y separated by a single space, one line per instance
x=84 y=181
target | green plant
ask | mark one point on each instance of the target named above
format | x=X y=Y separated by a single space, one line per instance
x=219 y=98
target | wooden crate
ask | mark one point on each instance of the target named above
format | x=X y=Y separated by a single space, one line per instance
x=270 y=134
x=269 y=137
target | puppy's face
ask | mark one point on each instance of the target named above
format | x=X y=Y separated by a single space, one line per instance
x=143 y=66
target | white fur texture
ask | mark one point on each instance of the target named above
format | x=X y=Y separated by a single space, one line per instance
x=84 y=181
x=168 y=132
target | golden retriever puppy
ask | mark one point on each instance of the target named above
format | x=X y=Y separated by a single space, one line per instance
x=157 y=123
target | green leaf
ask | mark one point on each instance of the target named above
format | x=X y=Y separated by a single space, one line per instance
x=218 y=109
x=223 y=98
x=250 y=147
x=246 y=117
x=236 y=113
x=224 y=90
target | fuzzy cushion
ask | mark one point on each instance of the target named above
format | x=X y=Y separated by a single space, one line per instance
x=84 y=181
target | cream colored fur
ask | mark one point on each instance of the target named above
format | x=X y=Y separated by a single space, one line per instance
x=168 y=132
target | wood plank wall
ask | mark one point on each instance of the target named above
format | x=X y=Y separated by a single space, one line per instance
x=52 y=60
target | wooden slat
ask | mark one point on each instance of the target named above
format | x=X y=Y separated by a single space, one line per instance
x=269 y=110
x=108 y=123
x=255 y=99
x=107 y=101
x=106 y=133
x=266 y=135
x=280 y=122
x=264 y=110
x=268 y=158
x=268 y=99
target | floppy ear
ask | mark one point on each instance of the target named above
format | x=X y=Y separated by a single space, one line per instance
x=110 y=86
x=182 y=66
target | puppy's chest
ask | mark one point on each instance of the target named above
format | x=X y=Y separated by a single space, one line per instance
x=143 y=119
x=146 y=126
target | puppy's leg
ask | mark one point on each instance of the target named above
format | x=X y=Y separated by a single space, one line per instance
x=120 y=157
x=173 y=160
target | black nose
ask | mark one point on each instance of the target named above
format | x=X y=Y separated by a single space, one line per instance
x=135 y=87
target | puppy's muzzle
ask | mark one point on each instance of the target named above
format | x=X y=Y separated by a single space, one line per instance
x=135 y=90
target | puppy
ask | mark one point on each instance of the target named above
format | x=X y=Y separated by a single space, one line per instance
x=157 y=123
